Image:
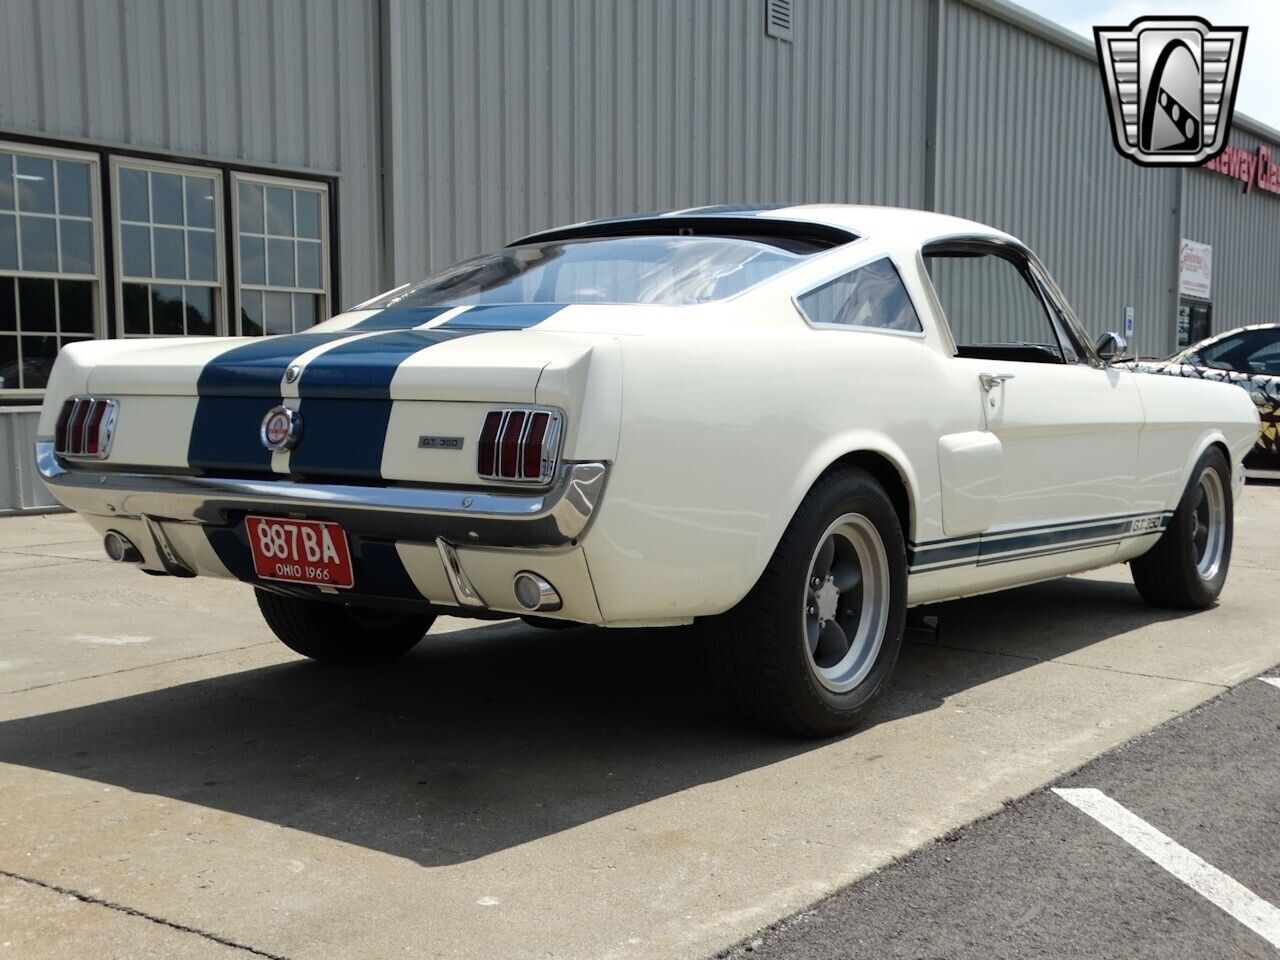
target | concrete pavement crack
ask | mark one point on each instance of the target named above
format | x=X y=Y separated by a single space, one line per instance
x=1068 y=663
x=141 y=914
x=141 y=666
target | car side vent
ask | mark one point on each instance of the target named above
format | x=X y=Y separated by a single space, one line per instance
x=777 y=19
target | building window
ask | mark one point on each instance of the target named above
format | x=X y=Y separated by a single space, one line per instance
x=49 y=260
x=282 y=254
x=169 y=255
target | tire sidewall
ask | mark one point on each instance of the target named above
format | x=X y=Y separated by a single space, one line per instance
x=1185 y=518
x=851 y=492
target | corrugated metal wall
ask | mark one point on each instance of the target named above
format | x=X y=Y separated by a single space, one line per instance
x=512 y=116
x=21 y=489
x=290 y=82
x=1244 y=231
x=1025 y=146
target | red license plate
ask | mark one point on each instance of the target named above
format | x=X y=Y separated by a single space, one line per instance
x=300 y=551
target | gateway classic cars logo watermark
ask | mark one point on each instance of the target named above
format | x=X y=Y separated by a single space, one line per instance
x=1171 y=86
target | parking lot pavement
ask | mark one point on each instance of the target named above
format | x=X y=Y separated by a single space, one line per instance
x=1042 y=878
x=511 y=792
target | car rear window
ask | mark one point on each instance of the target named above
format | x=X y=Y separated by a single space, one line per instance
x=667 y=270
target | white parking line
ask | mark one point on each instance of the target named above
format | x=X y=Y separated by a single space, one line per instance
x=1222 y=891
x=1274 y=681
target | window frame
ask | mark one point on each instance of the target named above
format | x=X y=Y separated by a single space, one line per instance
x=1062 y=320
x=98 y=291
x=221 y=282
x=844 y=271
x=325 y=292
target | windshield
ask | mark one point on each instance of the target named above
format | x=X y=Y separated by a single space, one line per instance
x=672 y=271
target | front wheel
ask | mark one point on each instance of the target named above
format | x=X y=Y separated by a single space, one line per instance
x=1187 y=567
x=811 y=647
x=340 y=634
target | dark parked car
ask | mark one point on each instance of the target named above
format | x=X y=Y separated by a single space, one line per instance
x=1250 y=358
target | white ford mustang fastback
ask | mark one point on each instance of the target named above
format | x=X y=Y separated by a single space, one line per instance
x=791 y=423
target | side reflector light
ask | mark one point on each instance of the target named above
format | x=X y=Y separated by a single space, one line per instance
x=519 y=446
x=85 y=427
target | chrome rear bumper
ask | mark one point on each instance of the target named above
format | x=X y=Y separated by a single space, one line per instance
x=551 y=518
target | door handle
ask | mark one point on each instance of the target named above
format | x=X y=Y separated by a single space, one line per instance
x=990 y=381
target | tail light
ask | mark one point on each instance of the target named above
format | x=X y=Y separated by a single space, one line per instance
x=519 y=446
x=85 y=426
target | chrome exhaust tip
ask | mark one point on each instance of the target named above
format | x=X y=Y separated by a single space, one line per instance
x=120 y=548
x=535 y=593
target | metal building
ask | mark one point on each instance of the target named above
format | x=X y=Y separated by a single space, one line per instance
x=182 y=167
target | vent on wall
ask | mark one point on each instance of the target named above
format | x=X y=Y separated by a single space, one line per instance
x=777 y=19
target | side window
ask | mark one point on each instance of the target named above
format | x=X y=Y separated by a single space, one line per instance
x=1254 y=351
x=870 y=296
x=992 y=307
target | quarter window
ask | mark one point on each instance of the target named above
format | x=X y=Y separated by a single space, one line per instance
x=169 y=256
x=872 y=297
x=49 y=259
x=993 y=308
x=282 y=255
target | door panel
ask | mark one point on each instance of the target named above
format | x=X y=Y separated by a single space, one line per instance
x=1069 y=433
x=1066 y=432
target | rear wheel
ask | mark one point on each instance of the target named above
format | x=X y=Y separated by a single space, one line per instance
x=341 y=634
x=1187 y=567
x=811 y=647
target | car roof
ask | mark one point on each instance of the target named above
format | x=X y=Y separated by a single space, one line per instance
x=904 y=223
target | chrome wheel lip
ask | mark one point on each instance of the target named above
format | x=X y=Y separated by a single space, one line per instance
x=1210 y=513
x=861 y=535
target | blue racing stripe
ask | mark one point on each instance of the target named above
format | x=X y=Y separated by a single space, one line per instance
x=502 y=316
x=364 y=368
x=399 y=318
x=236 y=389
x=346 y=402
x=255 y=369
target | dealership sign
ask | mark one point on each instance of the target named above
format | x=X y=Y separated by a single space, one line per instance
x=1252 y=169
x=1195 y=268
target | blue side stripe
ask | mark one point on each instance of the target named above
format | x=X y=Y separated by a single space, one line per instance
x=1033 y=541
x=502 y=316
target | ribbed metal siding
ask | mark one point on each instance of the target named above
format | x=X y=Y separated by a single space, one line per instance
x=21 y=490
x=1025 y=146
x=290 y=82
x=518 y=115
x=1244 y=231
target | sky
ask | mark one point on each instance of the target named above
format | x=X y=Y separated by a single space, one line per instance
x=1259 y=91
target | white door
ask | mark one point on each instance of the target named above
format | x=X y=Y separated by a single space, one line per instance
x=1067 y=428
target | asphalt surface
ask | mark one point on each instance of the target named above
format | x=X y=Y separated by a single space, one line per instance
x=174 y=783
x=1042 y=879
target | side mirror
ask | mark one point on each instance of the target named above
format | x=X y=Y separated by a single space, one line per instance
x=1111 y=347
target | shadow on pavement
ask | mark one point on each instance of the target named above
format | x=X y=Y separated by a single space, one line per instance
x=486 y=738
